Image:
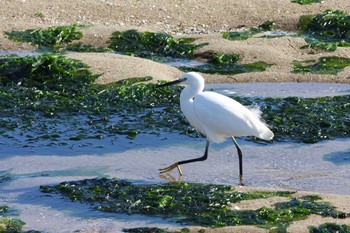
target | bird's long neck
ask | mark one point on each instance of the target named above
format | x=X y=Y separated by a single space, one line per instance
x=189 y=93
x=187 y=98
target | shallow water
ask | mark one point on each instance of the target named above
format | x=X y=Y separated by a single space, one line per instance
x=282 y=90
x=21 y=53
x=321 y=167
x=290 y=166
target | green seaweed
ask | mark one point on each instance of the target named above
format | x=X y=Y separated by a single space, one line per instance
x=52 y=37
x=268 y=25
x=146 y=44
x=220 y=64
x=224 y=59
x=330 y=228
x=45 y=72
x=55 y=39
x=81 y=47
x=227 y=64
x=241 y=35
x=161 y=47
x=39 y=14
x=325 y=65
x=3 y=209
x=310 y=205
x=327 y=30
x=246 y=34
x=201 y=204
x=306 y=2
x=231 y=69
x=332 y=24
x=307 y=120
x=9 y=224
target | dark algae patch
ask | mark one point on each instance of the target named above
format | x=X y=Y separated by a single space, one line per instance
x=327 y=30
x=81 y=47
x=241 y=35
x=9 y=224
x=162 y=47
x=227 y=64
x=52 y=37
x=56 y=39
x=206 y=205
x=306 y=2
x=325 y=65
x=246 y=34
x=330 y=228
x=307 y=120
x=45 y=72
x=146 y=44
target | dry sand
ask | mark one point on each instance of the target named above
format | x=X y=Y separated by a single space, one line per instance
x=196 y=18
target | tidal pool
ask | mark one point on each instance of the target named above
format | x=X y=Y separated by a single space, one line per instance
x=282 y=165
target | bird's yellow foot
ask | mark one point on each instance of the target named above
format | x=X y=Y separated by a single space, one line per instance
x=170 y=168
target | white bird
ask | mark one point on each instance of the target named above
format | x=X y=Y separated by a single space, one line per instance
x=217 y=117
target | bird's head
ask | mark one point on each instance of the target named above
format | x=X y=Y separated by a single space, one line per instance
x=192 y=79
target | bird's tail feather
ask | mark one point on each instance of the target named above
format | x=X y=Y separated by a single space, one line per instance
x=266 y=134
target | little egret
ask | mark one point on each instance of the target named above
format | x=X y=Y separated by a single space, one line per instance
x=217 y=117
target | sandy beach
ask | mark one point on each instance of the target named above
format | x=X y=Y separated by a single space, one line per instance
x=196 y=18
x=200 y=19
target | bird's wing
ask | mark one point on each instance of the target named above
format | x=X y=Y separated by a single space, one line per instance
x=221 y=117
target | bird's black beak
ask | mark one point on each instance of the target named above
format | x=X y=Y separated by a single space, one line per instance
x=171 y=83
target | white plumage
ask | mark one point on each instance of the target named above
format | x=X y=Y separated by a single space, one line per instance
x=216 y=116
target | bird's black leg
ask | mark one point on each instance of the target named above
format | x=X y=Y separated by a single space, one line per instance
x=177 y=165
x=204 y=157
x=240 y=158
